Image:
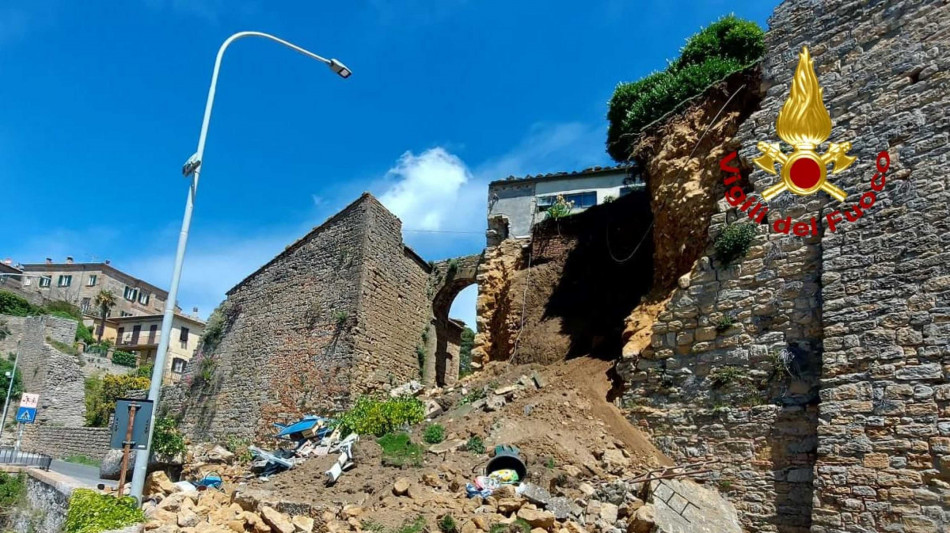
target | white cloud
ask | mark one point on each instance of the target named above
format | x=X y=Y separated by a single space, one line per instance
x=427 y=191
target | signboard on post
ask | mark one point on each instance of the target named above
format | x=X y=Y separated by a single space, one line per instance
x=26 y=414
x=120 y=424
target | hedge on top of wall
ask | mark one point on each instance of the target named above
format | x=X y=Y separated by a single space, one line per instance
x=726 y=46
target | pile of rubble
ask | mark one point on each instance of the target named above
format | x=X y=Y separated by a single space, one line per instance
x=578 y=467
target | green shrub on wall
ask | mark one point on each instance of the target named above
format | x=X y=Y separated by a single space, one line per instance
x=6 y=365
x=11 y=304
x=734 y=242
x=167 y=439
x=124 y=358
x=724 y=47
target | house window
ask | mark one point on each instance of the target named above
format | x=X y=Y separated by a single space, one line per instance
x=130 y=294
x=86 y=303
x=46 y=281
x=580 y=200
x=28 y=281
x=91 y=281
x=65 y=281
x=124 y=314
x=178 y=365
x=143 y=298
x=184 y=335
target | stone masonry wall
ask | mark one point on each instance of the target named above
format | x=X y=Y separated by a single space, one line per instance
x=59 y=442
x=884 y=433
x=287 y=345
x=394 y=307
x=339 y=313
x=859 y=314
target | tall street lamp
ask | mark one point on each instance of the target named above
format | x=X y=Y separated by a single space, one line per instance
x=192 y=168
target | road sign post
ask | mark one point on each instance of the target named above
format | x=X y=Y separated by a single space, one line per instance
x=25 y=414
x=127 y=447
x=130 y=431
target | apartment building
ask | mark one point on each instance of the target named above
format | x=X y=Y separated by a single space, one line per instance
x=79 y=283
x=140 y=335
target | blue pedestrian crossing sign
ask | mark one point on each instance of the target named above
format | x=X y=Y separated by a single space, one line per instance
x=26 y=415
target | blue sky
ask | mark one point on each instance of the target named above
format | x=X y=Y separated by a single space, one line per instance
x=102 y=103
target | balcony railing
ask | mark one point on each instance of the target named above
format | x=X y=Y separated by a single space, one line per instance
x=146 y=339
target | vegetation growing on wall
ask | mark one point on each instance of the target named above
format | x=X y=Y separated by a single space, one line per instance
x=91 y=512
x=465 y=352
x=12 y=304
x=726 y=46
x=734 y=242
x=101 y=394
x=124 y=358
x=6 y=365
x=167 y=439
x=12 y=490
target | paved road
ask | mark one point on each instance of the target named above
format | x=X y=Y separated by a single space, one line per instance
x=87 y=475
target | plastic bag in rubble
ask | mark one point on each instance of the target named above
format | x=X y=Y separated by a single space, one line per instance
x=505 y=476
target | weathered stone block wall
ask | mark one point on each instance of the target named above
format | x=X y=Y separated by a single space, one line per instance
x=55 y=376
x=339 y=313
x=394 y=307
x=59 y=442
x=859 y=311
x=884 y=432
x=44 y=508
x=287 y=345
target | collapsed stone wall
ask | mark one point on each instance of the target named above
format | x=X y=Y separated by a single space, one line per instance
x=336 y=315
x=565 y=291
x=737 y=356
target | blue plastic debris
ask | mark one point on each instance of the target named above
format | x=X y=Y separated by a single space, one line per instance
x=212 y=480
x=309 y=427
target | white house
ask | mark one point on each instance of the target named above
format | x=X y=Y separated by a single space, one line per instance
x=522 y=202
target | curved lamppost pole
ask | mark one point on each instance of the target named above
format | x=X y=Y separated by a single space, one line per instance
x=192 y=168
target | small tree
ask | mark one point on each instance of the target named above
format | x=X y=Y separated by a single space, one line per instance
x=105 y=301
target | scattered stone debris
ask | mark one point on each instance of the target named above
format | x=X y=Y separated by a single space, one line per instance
x=521 y=449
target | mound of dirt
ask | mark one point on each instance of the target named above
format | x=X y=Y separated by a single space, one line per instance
x=567 y=433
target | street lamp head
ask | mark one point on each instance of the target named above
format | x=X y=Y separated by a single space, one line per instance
x=339 y=68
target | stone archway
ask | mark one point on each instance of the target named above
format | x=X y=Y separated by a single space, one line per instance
x=448 y=278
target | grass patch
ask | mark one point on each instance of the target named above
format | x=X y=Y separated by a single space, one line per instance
x=12 y=488
x=447 y=524
x=475 y=445
x=434 y=434
x=473 y=396
x=549 y=463
x=81 y=460
x=400 y=451
x=520 y=525
x=724 y=323
x=726 y=375
x=63 y=347
x=417 y=525
x=372 y=525
x=371 y=416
